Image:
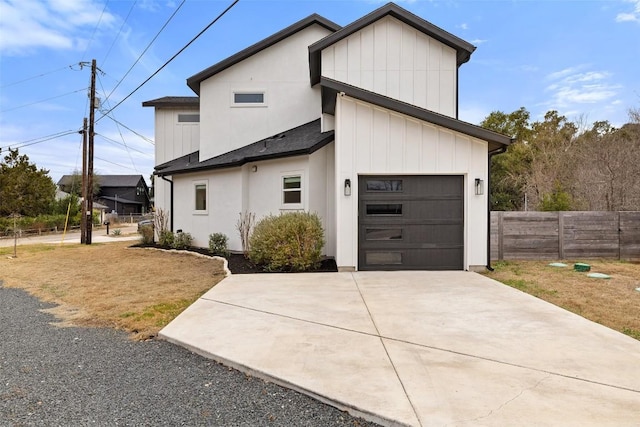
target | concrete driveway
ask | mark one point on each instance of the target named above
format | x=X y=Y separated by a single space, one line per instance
x=419 y=348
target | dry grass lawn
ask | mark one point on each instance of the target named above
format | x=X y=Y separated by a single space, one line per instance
x=137 y=290
x=613 y=302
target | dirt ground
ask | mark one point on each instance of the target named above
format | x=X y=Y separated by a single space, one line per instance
x=613 y=302
x=137 y=290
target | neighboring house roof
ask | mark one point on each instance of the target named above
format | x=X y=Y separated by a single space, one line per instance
x=301 y=140
x=121 y=200
x=173 y=101
x=108 y=180
x=61 y=194
x=463 y=48
x=330 y=88
x=194 y=81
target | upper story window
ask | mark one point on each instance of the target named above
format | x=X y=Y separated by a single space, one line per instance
x=188 y=118
x=256 y=98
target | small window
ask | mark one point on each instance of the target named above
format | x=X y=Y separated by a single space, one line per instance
x=188 y=118
x=248 y=99
x=383 y=234
x=384 y=209
x=201 y=197
x=292 y=190
x=385 y=185
x=384 y=258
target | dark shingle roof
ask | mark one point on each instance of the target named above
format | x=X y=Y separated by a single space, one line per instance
x=301 y=140
x=463 y=48
x=108 y=180
x=330 y=89
x=173 y=101
x=194 y=81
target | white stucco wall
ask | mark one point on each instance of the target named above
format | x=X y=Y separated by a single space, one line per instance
x=394 y=59
x=374 y=140
x=282 y=72
x=172 y=140
x=240 y=189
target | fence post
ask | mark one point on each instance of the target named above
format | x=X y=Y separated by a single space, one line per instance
x=561 y=235
x=618 y=224
x=500 y=234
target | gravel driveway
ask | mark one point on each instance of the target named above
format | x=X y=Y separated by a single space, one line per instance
x=89 y=376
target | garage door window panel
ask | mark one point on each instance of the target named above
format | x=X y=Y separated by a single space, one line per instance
x=383 y=234
x=389 y=209
x=384 y=185
x=384 y=258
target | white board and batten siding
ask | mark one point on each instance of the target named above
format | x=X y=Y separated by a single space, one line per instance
x=374 y=140
x=281 y=72
x=173 y=139
x=396 y=60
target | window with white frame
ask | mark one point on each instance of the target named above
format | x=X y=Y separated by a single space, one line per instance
x=200 y=191
x=255 y=98
x=292 y=191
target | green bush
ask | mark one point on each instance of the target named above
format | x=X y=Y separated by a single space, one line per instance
x=166 y=239
x=218 y=244
x=182 y=240
x=146 y=234
x=288 y=242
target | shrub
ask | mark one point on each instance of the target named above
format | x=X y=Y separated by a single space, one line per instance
x=287 y=242
x=146 y=235
x=182 y=240
x=218 y=244
x=165 y=239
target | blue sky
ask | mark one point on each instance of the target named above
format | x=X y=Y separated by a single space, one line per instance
x=577 y=57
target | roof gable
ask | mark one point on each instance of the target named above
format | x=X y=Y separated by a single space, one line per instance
x=463 y=48
x=194 y=81
x=108 y=180
x=330 y=88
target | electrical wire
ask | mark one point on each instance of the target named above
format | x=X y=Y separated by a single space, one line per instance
x=43 y=100
x=119 y=32
x=116 y=164
x=113 y=141
x=95 y=29
x=146 y=48
x=35 y=77
x=150 y=141
x=172 y=58
x=42 y=139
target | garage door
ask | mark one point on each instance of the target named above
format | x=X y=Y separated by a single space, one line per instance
x=411 y=222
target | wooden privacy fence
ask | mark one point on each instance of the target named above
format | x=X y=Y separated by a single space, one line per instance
x=565 y=235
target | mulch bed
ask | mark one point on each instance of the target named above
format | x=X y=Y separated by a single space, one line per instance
x=238 y=264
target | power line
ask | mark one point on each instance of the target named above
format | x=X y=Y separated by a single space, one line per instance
x=119 y=32
x=43 y=100
x=150 y=141
x=173 y=57
x=93 y=34
x=35 y=77
x=116 y=164
x=43 y=139
x=125 y=145
x=146 y=48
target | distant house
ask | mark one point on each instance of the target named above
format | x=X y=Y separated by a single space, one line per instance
x=358 y=124
x=122 y=194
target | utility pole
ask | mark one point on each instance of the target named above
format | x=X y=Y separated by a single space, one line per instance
x=83 y=205
x=89 y=199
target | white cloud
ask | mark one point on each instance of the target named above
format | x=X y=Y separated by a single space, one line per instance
x=633 y=16
x=463 y=26
x=53 y=24
x=478 y=41
x=572 y=86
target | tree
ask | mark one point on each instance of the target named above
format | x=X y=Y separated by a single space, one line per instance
x=24 y=189
x=509 y=170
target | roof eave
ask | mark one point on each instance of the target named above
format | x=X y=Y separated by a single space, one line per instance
x=194 y=81
x=333 y=87
x=463 y=48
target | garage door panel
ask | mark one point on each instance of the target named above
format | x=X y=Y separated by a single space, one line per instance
x=411 y=222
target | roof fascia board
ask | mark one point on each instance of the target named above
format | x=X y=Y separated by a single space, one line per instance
x=333 y=86
x=244 y=160
x=194 y=81
x=463 y=48
x=169 y=101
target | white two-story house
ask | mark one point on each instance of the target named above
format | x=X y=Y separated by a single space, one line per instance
x=357 y=124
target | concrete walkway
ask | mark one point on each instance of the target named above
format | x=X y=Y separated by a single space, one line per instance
x=419 y=348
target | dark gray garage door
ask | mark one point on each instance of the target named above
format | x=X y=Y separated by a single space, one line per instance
x=411 y=222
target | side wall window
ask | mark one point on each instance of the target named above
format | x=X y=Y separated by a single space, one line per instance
x=200 y=190
x=292 y=191
x=240 y=98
